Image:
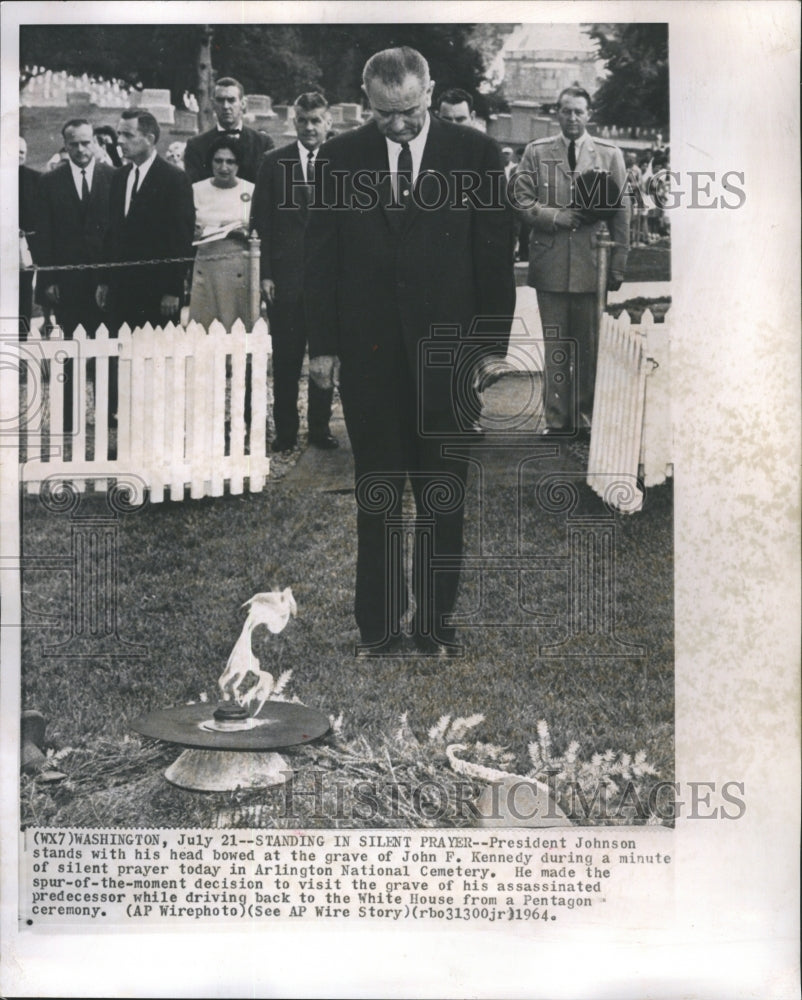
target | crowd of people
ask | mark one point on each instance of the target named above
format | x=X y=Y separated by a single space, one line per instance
x=370 y=241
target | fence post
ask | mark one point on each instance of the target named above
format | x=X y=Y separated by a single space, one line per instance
x=254 y=247
x=604 y=243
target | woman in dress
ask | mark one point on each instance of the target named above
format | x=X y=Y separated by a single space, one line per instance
x=222 y=211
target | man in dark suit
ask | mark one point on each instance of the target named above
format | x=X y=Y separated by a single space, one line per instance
x=229 y=106
x=71 y=220
x=409 y=291
x=152 y=217
x=72 y=214
x=280 y=211
x=28 y=185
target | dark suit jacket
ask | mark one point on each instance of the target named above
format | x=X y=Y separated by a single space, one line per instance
x=68 y=233
x=378 y=279
x=279 y=215
x=254 y=146
x=28 y=184
x=160 y=224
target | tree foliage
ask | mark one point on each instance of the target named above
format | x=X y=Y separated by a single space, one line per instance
x=161 y=56
x=276 y=59
x=636 y=91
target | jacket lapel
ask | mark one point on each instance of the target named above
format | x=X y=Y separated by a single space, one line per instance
x=299 y=184
x=68 y=187
x=561 y=155
x=589 y=160
x=378 y=165
x=432 y=161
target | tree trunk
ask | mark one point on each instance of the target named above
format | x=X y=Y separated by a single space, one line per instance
x=206 y=117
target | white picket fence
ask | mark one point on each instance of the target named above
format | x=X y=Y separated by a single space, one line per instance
x=631 y=411
x=180 y=419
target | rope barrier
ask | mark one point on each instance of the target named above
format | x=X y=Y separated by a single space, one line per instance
x=187 y=260
x=124 y=263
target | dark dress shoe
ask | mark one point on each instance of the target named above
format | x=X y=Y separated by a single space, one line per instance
x=282 y=444
x=328 y=442
x=427 y=645
x=390 y=646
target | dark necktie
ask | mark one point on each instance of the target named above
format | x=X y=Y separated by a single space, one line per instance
x=404 y=174
x=135 y=188
x=310 y=168
x=84 y=189
x=572 y=156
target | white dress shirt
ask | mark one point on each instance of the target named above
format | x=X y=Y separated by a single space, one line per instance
x=416 y=147
x=304 y=154
x=77 y=179
x=143 y=172
x=578 y=144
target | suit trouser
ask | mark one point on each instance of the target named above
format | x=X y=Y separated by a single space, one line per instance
x=388 y=451
x=570 y=338
x=25 y=303
x=76 y=307
x=288 y=332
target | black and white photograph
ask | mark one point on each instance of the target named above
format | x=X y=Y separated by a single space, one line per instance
x=457 y=504
x=395 y=530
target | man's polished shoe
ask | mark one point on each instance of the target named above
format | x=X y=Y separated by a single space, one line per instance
x=391 y=646
x=282 y=444
x=327 y=441
x=427 y=645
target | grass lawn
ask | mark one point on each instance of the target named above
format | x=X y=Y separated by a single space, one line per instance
x=186 y=568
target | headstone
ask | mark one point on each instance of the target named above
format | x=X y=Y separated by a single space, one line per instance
x=79 y=98
x=159 y=104
x=259 y=104
x=155 y=98
x=262 y=123
x=283 y=111
x=351 y=112
x=336 y=113
x=186 y=121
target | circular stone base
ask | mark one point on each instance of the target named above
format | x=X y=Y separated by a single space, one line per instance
x=226 y=770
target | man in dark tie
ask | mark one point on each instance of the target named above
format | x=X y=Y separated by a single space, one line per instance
x=229 y=106
x=280 y=210
x=72 y=217
x=409 y=293
x=563 y=253
x=152 y=218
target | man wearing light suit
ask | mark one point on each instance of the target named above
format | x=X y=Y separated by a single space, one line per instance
x=408 y=247
x=279 y=214
x=563 y=254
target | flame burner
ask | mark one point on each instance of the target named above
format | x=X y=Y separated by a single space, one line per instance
x=231 y=718
x=228 y=748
